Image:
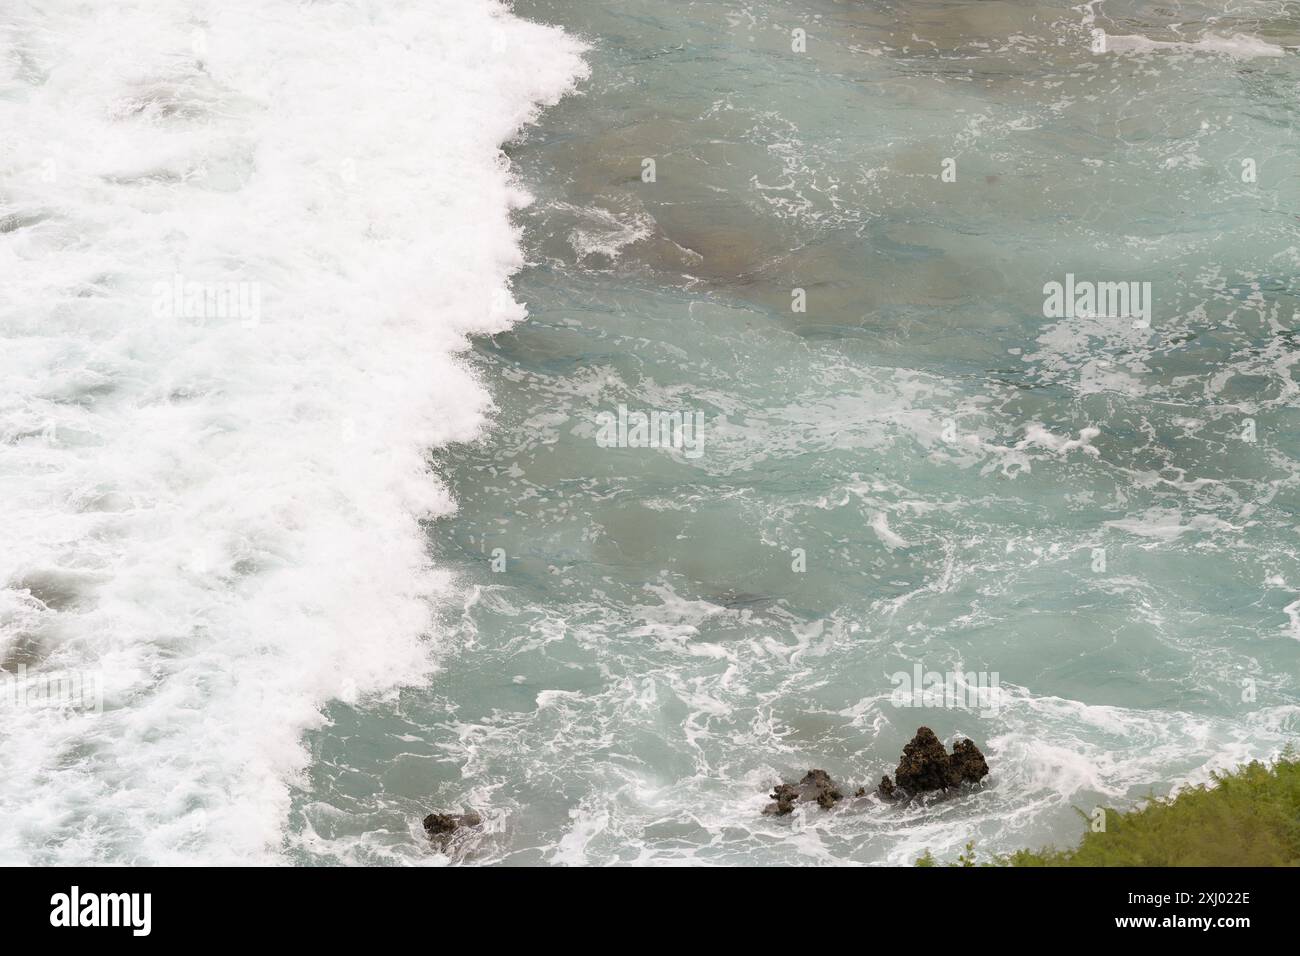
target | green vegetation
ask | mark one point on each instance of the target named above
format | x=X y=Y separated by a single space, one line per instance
x=1249 y=817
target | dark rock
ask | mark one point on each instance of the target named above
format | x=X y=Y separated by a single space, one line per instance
x=436 y=824
x=816 y=786
x=968 y=762
x=440 y=826
x=925 y=767
x=924 y=764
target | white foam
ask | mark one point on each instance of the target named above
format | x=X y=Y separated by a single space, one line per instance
x=219 y=521
x=602 y=232
x=888 y=537
x=1167 y=524
x=1237 y=46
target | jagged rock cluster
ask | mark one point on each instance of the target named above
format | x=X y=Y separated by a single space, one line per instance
x=816 y=786
x=925 y=767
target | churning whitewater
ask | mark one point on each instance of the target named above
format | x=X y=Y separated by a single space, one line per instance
x=243 y=242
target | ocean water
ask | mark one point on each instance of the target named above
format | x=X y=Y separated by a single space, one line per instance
x=334 y=571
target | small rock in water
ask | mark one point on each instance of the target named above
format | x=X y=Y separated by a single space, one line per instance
x=440 y=826
x=925 y=766
x=816 y=786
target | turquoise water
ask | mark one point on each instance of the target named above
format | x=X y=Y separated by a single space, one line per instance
x=920 y=468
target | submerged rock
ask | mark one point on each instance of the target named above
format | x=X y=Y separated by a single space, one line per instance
x=815 y=787
x=925 y=767
x=440 y=826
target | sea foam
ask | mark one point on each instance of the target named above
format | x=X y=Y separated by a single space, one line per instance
x=214 y=517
